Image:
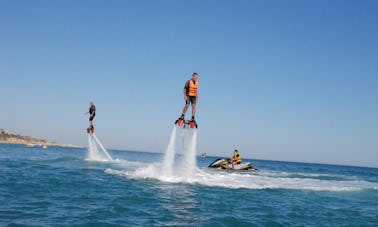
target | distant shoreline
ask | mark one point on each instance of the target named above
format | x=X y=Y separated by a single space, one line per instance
x=7 y=137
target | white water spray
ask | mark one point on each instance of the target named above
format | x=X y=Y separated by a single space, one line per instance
x=94 y=151
x=190 y=150
x=187 y=165
x=169 y=155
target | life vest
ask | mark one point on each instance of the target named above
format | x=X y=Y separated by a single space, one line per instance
x=238 y=157
x=193 y=87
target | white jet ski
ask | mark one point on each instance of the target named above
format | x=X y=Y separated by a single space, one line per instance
x=225 y=164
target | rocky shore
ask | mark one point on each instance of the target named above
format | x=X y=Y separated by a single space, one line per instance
x=12 y=138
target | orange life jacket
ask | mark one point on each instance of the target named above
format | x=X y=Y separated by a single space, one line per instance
x=193 y=87
x=238 y=157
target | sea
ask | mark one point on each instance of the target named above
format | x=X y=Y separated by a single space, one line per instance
x=66 y=187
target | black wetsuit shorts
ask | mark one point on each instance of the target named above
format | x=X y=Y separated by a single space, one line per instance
x=91 y=117
x=191 y=99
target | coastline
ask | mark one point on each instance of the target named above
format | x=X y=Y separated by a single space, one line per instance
x=7 y=137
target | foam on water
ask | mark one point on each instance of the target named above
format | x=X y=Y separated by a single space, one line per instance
x=184 y=169
x=246 y=180
x=262 y=181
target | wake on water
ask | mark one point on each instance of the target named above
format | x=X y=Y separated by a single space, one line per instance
x=254 y=180
x=183 y=169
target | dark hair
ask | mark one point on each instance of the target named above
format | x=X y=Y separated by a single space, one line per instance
x=195 y=74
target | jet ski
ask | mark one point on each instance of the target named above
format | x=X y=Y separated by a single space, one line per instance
x=226 y=164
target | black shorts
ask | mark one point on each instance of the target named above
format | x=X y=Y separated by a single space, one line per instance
x=91 y=117
x=191 y=99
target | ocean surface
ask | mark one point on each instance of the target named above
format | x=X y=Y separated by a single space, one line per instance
x=65 y=187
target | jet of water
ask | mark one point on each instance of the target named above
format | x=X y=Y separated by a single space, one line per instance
x=102 y=147
x=190 y=150
x=93 y=149
x=187 y=165
x=169 y=155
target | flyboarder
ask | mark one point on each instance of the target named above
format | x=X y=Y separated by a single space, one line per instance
x=92 y=114
x=190 y=97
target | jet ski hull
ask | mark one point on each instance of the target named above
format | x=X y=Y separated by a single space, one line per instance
x=225 y=164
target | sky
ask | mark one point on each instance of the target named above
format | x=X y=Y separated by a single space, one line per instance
x=285 y=80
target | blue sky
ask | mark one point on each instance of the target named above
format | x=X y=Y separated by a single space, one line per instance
x=280 y=80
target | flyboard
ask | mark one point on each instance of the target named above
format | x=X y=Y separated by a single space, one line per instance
x=93 y=143
x=181 y=122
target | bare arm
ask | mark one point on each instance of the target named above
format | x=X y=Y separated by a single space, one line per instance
x=197 y=96
x=185 y=96
x=186 y=87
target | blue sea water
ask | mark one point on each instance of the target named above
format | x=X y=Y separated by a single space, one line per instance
x=61 y=187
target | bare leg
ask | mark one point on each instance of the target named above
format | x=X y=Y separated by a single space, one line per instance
x=193 y=110
x=185 y=109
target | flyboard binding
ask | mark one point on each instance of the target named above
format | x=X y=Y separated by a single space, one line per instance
x=181 y=122
x=90 y=129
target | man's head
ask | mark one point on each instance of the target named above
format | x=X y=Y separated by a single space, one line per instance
x=236 y=151
x=195 y=76
x=91 y=103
